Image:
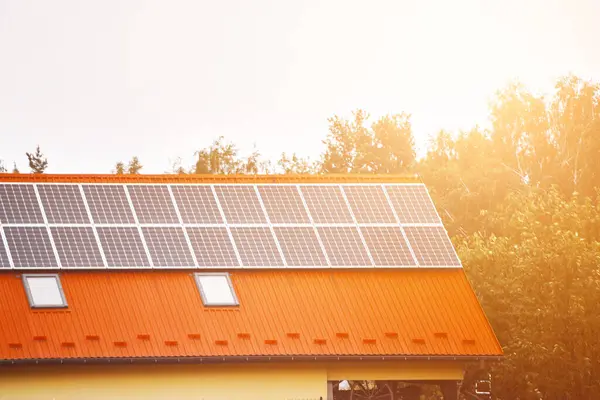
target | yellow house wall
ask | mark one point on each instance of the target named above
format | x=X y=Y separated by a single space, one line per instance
x=208 y=382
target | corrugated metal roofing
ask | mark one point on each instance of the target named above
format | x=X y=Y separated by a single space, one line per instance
x=309 y=312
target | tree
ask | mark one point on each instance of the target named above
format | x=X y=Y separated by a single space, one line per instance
x=15 y=169
x=387 y=147
x=37 y=161
x=2 y=167
x=538 y=281
x=296 y=165
x=119 y=168
x=222 y=157
x=134 y=167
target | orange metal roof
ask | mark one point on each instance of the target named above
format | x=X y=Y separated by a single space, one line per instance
x=406 y=312
x=193 y=178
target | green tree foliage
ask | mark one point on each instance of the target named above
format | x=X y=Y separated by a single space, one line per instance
x=539 y=282
x=37 y=161
x=222 y=157
x=387 y=147
x=296 y=165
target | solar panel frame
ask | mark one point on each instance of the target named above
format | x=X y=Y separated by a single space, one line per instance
x=63 y=204
x=412 y=204
x=432 y=246
x=70 y=240
x=37 y=249
x=23 y=199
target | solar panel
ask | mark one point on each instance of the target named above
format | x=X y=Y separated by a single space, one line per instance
x=240 y=204
x=387 y=246
x=77 y=247
x=256 y=247
x=63 y=204
x=168 y=247
x=108 y=204
x=19 y=205
x=153 y=204
x=4 y=262
x=432 y=246
x=212 y=247
x=300 y=246
x=369 y=204
x=283 y=204
x=30 y=247
x=197 y=204
x=344 y=246
x=413 y=204
x=123 y=247
x=326 y=204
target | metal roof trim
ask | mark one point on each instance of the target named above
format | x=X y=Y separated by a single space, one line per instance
x=244 y=359
x=208 y=178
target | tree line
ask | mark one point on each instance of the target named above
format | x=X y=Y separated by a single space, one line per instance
x=521 y=202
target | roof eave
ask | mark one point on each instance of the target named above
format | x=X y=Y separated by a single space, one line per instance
x=246 y=359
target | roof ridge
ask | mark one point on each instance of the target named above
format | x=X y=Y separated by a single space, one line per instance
x=210 y=178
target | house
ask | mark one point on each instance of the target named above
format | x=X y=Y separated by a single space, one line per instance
x=235 y=287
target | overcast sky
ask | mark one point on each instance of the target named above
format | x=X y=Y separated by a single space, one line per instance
x=94 y=82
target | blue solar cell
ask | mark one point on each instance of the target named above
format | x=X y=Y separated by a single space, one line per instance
x=432 y=246
x=168 y=247
x=283 y=204
x=19 y=205
x=369 y=204
x=30 y=247
x=197 y=204
x=77 y=247
x=212 y=247
x=240 y=204
x=108 y=204
x=4 y=262
x=256 y=247
x=63 y=204
x=123 y=247
x=153 y=204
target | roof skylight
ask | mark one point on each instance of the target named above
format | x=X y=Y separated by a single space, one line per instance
x=216 y=289
x=44 y=291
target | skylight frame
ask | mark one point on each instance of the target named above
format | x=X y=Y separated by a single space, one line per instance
x=30 y=296
x=205 y=302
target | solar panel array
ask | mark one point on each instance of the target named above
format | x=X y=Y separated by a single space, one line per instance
x=47 y=226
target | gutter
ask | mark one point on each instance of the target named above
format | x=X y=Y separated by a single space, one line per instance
x=238 y=359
